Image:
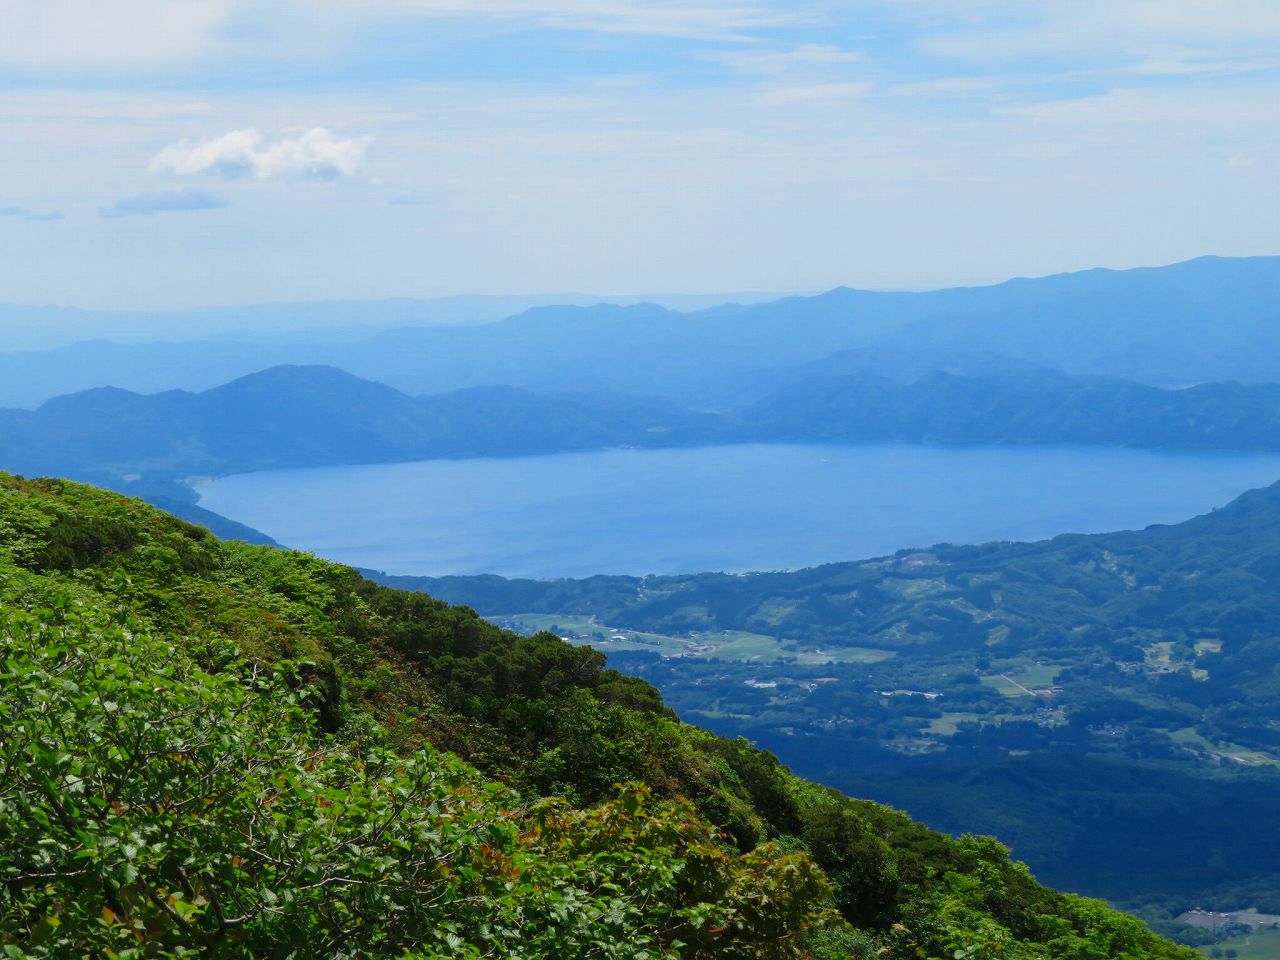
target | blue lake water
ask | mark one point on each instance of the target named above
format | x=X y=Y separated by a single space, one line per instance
x=732 y=508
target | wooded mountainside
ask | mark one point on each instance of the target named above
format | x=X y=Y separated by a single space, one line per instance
x=1095 y=701
x=232 y=749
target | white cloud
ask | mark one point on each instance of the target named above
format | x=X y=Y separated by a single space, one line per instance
x=314 y=154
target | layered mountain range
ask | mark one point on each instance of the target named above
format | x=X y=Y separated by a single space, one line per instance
x=317 y=416
x=1203 y=320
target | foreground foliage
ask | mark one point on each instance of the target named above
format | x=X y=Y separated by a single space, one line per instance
x=226 y=750
x=146 y=803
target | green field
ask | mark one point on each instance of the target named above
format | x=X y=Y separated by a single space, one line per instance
x=1259 y=945
x=1020 y=678
x=731 y=645
x=1187 y=736
x=945 y=725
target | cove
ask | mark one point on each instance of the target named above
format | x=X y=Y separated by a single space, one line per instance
x=728 y=508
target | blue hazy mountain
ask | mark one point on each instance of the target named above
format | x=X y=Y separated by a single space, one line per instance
x=1019 y=406
x=306 y=416
x=1206 y=319
x=46 y=327
x=295 y=416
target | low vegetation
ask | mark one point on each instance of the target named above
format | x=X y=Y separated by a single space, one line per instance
x=218 y=749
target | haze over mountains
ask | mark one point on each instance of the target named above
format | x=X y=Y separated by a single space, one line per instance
x=1206 y=319
x=317 y=416
x=46 y=327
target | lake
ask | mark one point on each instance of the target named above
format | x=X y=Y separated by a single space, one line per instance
x=730 y=508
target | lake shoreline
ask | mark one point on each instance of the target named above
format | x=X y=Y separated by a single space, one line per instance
x=737 y=508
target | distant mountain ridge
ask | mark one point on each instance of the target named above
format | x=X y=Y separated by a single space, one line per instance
x=314 y=416
x=1202 y=320
x=307 y=416
x=1026 y=406
x=39 y=327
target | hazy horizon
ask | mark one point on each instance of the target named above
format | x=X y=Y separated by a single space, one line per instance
x=230 y=152
x=669 y=298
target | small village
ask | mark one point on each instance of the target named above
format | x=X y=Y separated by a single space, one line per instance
x=1230 y=923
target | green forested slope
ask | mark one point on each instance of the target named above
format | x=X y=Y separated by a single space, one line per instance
x=218 y=749
x=1095 y=701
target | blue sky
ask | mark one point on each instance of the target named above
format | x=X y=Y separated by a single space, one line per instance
x=160 y=153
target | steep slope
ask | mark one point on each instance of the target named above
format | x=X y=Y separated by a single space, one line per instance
x=86 y=570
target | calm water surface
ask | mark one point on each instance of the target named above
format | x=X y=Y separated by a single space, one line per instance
x=734 y=508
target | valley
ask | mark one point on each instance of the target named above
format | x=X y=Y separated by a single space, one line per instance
x=1095 y=700
x=639 y=480
x=1090 y=700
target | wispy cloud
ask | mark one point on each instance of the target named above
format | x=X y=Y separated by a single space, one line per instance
x=315 y=154
x=1148 y=38
x=546 y=123
x=132 y=36
x=22 y=213
x=108 y=35
x=810 y=92
x=705 y=20
x=168 y=201
x=772 y=63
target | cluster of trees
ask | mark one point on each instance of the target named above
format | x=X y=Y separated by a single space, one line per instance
x=231 y=750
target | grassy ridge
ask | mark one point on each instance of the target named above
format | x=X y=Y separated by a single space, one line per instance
x=89 y=578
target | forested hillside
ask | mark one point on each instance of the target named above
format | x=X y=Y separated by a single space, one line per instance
x=234 y=750
x=1096 y=701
